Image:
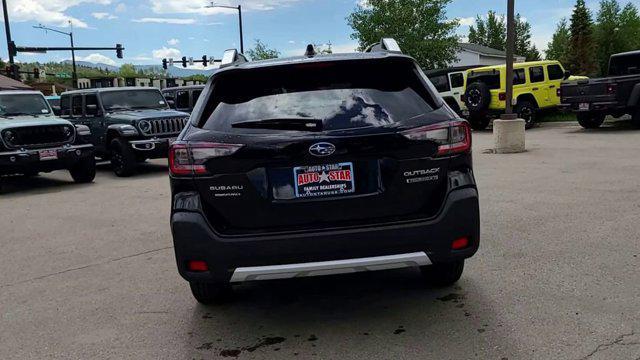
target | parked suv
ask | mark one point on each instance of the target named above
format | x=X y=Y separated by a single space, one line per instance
x=34 y=140
x=128 y=125
x=450 y=83
x=183 y=98
x=317 y=165
x=535 y=88
x=617 y=95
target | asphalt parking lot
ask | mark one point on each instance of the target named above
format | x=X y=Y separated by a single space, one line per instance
x=87 y=271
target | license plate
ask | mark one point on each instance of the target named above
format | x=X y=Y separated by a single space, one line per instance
x=324 y=180
x=49 y=154
x=584 y=106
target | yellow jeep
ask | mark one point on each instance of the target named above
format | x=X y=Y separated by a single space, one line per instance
x=535 y=87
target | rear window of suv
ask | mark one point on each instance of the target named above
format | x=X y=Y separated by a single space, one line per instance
x=343 y=95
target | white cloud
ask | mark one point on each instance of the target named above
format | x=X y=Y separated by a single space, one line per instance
x=51 y=12
x=121 y=8
x=468 y=21
x=141 y=58
x=173 y=42
x=103 y=15
x=165 y=53
x=98 y=59
x=198 y=7
x=165 y=21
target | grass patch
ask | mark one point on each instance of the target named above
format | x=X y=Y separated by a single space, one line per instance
x=556 y=116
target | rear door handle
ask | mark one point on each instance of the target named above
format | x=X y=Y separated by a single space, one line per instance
x=552 y=87
x=535 y=89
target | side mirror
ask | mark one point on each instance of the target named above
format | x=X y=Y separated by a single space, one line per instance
x=57 y=111
x=171 y=103
x=567 y=74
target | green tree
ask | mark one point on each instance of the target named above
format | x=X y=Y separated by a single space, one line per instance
x=582 y=49
x=630 y=28
x=262 y=52
x=421 y=28
x=523 y=40
x=127 y=71
x=557 y=49
x=492 y=32
x=607 y=33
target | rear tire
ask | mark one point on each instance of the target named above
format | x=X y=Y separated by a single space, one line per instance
x=443 y=274
x=123 y=159
x=479 y=121
x=590 y=120
x=84 y=171
x=526 y=110
x=211 y=293
x=477 y=97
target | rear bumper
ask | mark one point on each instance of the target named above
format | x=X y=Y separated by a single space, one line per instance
x=593 y=106
x=20 y=161
x=327 y=252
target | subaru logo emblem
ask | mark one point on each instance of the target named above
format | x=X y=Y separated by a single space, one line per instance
x=322 y=149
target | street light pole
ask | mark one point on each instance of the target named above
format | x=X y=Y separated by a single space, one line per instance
x=73 y=52
x=239 y=8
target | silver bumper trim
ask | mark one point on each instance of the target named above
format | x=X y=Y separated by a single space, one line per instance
x=142 y=144
x=330 y=267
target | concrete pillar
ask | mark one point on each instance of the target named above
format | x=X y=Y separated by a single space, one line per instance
x=509 y=135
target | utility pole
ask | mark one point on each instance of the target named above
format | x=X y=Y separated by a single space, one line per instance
x=239 y=8
x=7 y=30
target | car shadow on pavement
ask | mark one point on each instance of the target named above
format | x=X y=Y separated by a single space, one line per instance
x=611 y=126
x=360 y=312
x=147 y=168
x=41 y=184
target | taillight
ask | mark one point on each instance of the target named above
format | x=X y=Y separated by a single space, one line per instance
x=452 y=138
x=502 y=96
x=611 y=89
x=190 y=158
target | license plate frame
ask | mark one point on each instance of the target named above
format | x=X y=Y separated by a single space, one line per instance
x=48 y=154
x=326 y=180
x=584 y=106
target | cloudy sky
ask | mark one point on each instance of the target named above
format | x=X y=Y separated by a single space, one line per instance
x=154 y=29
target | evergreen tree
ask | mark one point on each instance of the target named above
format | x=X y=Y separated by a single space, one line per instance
x=607 y=33
x=630 y=28
x=558 y=48
x=582 y=49
x=492 y=32
x=421 y=28
x=523 y=40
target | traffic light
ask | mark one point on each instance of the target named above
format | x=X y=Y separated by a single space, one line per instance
x=119 y=49
x=204 y=61
x=164 y=64
x=184 y=61
x=36 y=73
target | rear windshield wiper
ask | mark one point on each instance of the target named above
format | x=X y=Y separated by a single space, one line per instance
x=293 y=124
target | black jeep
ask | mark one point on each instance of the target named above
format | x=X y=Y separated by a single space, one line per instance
x=128 y=125
x=618 y=94
x=183 y=98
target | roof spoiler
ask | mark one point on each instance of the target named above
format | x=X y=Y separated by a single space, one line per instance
x=232 y=57
x=385 y=45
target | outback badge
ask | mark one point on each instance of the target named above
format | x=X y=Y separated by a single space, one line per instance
x=322 y=149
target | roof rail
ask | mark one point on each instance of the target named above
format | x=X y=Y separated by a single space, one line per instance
x=386 y=44
x=232 y=57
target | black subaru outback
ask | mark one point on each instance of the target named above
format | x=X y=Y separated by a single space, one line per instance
x=318 y=165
